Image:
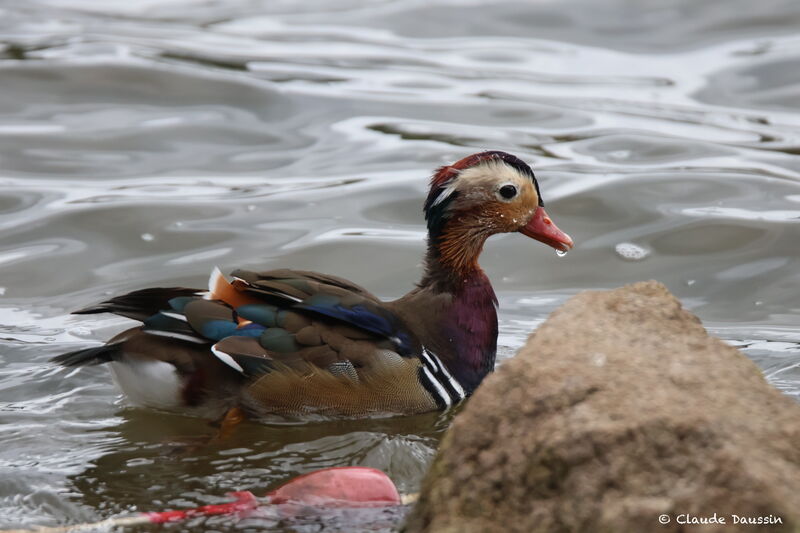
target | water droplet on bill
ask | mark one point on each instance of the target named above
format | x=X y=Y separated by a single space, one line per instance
x=631 y=252
x=561 y=253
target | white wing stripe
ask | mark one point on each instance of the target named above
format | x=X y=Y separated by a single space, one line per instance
x=438 y=386
x=227 y=359
x=173 y=335
x=176 y=316
x=456 y=385
x=426 y=355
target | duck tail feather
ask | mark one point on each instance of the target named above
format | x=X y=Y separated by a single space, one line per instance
x=90 y=356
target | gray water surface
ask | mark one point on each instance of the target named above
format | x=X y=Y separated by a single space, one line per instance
x=143 y=143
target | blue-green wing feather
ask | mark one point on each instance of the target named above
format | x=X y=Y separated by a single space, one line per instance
x=319 y=295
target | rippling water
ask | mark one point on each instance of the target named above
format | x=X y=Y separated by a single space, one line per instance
x=142 y=143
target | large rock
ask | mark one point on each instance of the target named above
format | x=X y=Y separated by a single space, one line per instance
x=620 y=408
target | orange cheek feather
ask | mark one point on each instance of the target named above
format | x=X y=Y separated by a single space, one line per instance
x=231 y=295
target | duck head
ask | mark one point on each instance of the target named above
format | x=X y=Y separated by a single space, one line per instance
x=481 y=195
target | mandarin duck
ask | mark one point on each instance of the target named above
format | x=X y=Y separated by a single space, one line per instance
x=293 y=343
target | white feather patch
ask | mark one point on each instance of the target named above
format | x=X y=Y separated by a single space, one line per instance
x=227 y=359
x=149 y=383
x=213 y=279
x=176 y=316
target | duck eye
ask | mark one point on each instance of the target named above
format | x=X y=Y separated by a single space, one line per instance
x=508 y=191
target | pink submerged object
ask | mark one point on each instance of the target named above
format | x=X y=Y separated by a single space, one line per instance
x=336 y=487
x=344 y=486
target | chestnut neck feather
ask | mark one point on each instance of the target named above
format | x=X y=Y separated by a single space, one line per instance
x=452 y=256
x=469 y=326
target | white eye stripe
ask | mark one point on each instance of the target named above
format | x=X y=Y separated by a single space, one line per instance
x=445 y=194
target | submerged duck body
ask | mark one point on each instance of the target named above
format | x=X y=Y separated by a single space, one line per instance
x=295 y=343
